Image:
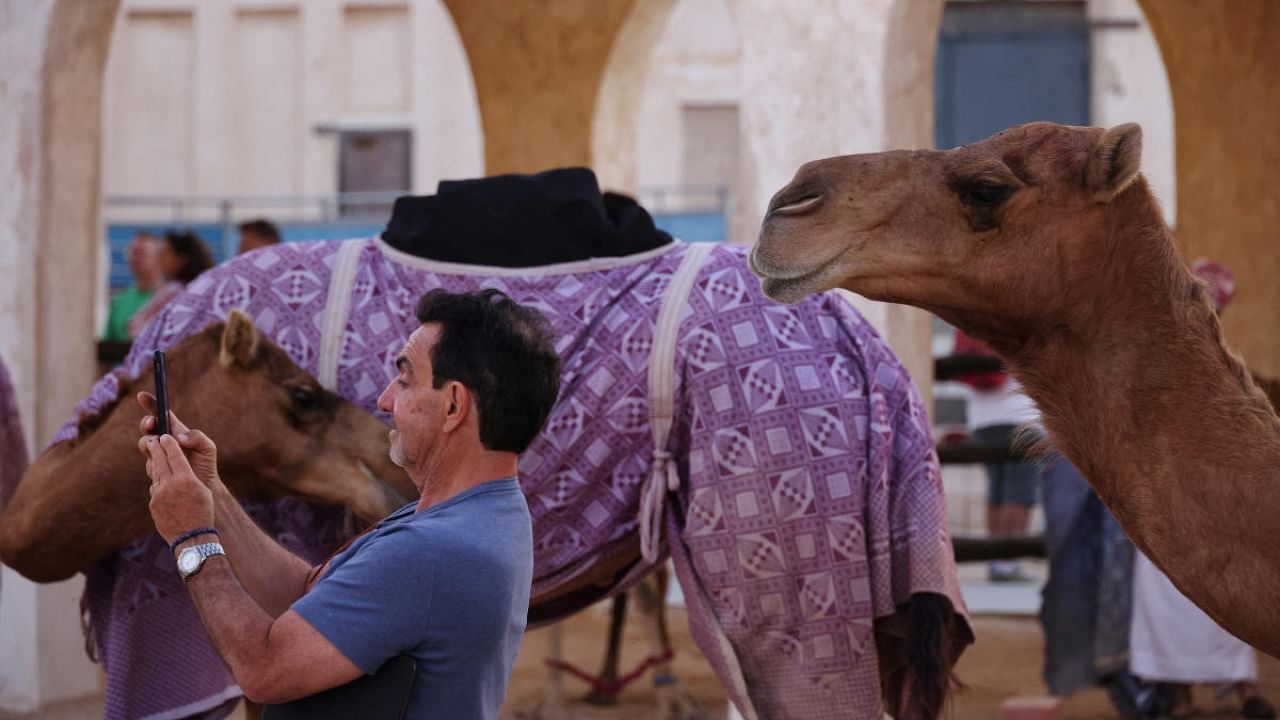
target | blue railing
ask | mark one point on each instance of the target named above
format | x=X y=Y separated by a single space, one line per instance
x=691 y=213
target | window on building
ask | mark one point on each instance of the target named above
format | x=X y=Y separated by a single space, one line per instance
x=373 y=161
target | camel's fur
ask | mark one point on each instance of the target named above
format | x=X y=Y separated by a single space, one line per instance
x=1044 y=242
x=278 y=433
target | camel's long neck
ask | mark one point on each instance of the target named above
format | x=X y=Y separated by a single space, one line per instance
x=1139 y=391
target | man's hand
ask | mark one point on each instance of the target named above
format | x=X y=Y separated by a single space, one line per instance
x=202 y=454
x=183 y=468
x=179 y=501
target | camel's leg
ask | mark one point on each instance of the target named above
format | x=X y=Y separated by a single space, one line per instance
x=552 y=705
x=609 y=671
x=674 y=701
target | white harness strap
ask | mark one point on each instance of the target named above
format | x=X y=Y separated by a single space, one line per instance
x=336 y=308
x=663 y=477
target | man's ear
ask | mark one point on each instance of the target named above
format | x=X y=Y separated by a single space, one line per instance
x=457 y=405
x=1114 y=162
x=239 y=341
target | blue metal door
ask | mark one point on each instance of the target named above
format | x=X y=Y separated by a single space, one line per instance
x=1004 y=63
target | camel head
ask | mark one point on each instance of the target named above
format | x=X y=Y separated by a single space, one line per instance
x=279 y=433
x=994 y=236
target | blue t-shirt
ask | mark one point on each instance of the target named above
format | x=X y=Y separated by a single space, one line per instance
x=448 y=585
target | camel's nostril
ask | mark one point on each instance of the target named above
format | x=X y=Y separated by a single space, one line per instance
x=797 y=207
x=795 y=200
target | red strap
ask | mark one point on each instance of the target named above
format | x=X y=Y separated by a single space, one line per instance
x=610 y=689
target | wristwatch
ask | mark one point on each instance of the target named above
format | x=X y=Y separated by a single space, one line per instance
x=192 y=559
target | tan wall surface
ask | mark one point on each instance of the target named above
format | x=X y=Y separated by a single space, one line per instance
x=69 y=196
x=537 y=69
x=49 y=237
x=1223 y=59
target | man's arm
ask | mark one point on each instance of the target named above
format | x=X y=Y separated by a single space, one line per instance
x=272 y=575
x=273 y=660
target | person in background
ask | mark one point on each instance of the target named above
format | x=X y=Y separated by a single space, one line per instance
x=997 y=408
x=256 y=234
x=1087 y=600
x=144 y=266
x=182 y=257
x=1171 y=640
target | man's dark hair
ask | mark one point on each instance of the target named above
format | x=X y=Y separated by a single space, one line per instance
x=193 y=253
x=504 y=353
x=263 y=228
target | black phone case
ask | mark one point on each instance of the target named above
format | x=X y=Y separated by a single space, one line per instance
x=162 y=394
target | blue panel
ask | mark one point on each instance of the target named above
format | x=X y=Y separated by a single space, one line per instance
x=119 y=236
x=329 y=231
x=1005 y=64
x=693 y=226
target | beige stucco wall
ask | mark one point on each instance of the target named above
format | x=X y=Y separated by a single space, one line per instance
x=619 y=116
x=1129 y=84
x=695 y=62
x=830 y=81
x=242 y=97
x=52 y=54
x=22 y=36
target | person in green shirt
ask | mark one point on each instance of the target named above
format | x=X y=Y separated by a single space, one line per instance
x=144 y=265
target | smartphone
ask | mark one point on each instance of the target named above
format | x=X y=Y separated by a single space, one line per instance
x=162 y=395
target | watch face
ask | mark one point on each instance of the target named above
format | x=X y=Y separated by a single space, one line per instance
x=188 y=561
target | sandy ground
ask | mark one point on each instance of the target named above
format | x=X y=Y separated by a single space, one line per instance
x=1005 y=661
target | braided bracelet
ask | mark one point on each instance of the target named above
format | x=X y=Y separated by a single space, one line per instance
x=173 y=547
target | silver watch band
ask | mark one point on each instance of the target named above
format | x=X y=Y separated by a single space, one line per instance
x=192 y=559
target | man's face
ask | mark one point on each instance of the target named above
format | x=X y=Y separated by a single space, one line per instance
x=142 y=257
x=250 y=240
x=416 y=408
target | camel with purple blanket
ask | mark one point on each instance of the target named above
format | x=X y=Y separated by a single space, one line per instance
x=779 y=455
x=13 y=446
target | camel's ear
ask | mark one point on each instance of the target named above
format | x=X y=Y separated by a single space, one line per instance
x=1114 y=162
x=239 y=341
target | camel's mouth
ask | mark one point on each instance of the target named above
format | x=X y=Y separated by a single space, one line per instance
x=788 y=285
x=760 y=262
x=388 y=498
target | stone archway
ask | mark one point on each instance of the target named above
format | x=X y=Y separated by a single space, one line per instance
x=50 y=140
x=1222 y=61
x=537 y=70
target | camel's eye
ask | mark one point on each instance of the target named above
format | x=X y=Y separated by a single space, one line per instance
x=981 y=198
x=308 y=405
x=983 y=195
x=302 y=398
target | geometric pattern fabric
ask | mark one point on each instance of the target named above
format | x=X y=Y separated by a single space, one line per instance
x=810 y=504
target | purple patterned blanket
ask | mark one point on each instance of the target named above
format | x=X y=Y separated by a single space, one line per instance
x=810 y=500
